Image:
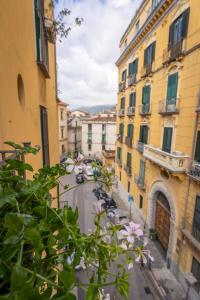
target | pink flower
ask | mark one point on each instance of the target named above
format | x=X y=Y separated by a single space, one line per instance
x=131 y=231
x=98 y=206
x=144 y=257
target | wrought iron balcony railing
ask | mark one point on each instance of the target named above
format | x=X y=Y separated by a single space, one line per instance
x=194 y=171
x=145 y=109
x=174 y=52
x=128 y=170
x=140 y=146
x=166 y=108
x=131 y=79
x=121 y=112
x=120 y=138
x=130 y=111
x=129 y=141
x=147 y=70
x=119 y=162
x=122 y=86
x=140 y=182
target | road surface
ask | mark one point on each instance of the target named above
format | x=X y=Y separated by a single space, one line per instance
x=83 y=197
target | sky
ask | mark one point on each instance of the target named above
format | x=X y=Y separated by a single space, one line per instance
x=87 y=74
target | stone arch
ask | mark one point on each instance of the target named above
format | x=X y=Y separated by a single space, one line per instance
x=174 y=67
x=160 y=186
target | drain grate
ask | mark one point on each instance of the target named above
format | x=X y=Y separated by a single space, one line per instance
x=147 y=290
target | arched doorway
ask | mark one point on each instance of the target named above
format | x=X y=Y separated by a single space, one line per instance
x=162 y=220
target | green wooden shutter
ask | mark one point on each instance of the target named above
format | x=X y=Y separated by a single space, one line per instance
x=124 y=75
x=153 y=50
x=122 y=103
x=172 y=88
x=197 y=150
x=121 y=129
x=167 y=139
x=171 y=35
x=185 y=23
x=130 y=130
x=132 y=100
x=144 y=134
x=142 y=170
x=129 y=69
x=146 y=94
x=136 y=66
x=119 y=153
x=128 y=162
x=145 y=56
x=44 y=135
x=37 y=30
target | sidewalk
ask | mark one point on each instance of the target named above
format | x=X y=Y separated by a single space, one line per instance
x=163 y=280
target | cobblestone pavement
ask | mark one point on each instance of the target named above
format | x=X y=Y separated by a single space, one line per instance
x=166 y=281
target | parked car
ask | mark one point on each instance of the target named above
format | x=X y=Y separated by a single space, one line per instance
x=88 y=173
x=79 y=178
x=87 y=161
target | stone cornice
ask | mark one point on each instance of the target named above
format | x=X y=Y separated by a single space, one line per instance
x=146 y=27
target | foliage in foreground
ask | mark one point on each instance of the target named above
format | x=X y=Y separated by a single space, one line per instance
x=41 y=247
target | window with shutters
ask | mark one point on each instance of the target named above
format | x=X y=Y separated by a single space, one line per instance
x=121 y=129
x=146 y=92
x=133 y=68
x=142 y=171
x=143 y=134
x=197 y=149
x=129 y=187
x=128 y=160
x=89 y=127
x=44 y=136
x=124 y=75
x=41 y=38
x=179 y=28
x=89 y=147
x=119 y=153
x=62 y=132
x=149 y=54
x=172 y=88
x=130 y=130
x=122 y=104
x=132 y=99
x=196 y=272
x=196 y=220
x=167 y=139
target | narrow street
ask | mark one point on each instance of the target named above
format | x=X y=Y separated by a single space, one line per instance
x=82 y=197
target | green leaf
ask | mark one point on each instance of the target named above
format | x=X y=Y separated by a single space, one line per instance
x=92 y=292
x=68 y=279
x=33 y=236
x=18 y=278
x=6 y=197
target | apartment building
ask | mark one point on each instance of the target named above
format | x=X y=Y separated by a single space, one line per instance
x=63 y=128
x=28 y=108
x=74 y=135
x=98 y=134
x=158 y=126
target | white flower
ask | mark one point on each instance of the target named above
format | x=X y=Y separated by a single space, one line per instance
x=130 y=266
x=124 y=246
x=145 y=240
x=131 y=231
x=144 y=257
x=81 y=264
x=98 y=206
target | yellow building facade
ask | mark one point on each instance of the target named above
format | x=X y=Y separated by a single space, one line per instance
x=158 y=127
x=63 y=128
x=28 y=108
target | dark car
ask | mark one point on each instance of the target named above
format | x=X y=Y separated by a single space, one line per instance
x=79 y=178
x=87 y=161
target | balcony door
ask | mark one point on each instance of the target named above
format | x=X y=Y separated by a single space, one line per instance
x=197 y=150
x=44 y=135
x=167 y=139
x=172 y=89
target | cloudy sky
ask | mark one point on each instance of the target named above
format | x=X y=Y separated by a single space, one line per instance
x=87 y=74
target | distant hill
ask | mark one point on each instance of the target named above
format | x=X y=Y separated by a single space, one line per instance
x=96 y=109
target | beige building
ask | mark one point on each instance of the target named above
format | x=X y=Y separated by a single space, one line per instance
x=74 y=136
x=63 y=128
x=28 y=108
x=158 y=126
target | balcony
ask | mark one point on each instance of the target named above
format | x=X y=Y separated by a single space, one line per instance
x=128 y=170
x=175 y=162
x=119 y=162
x=120 y=138
x=165 y=108
x=140 y=146
x=130 y=111
x=121 y=112
x=194 y=171
x=140 y=182
x=175 y=52
x=131 y=80
x=122 y=86
x=145 y=109
x=192 y=234
x=129 y=141
x=147 y=70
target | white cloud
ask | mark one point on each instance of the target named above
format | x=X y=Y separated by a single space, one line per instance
x=86 y=59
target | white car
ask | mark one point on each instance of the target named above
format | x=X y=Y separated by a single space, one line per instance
x=88 y=172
